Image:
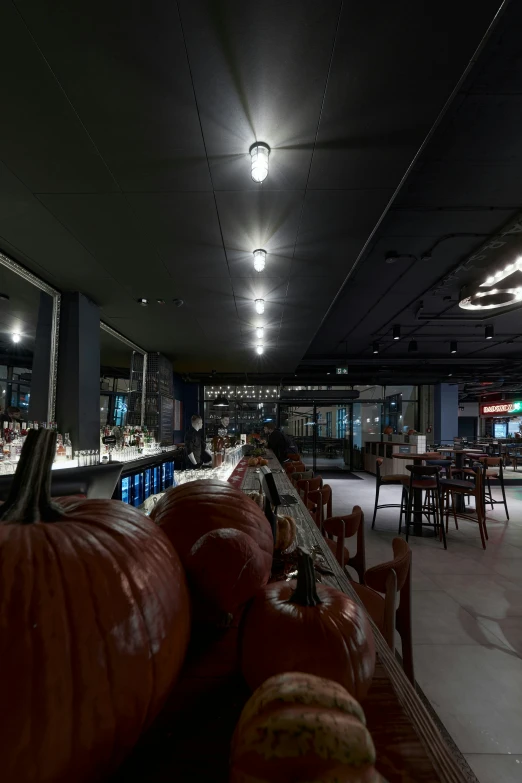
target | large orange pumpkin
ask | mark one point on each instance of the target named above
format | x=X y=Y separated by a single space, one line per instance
x=187 y=512
x=298 y=727
x=94 y=626
x=310 y=628
x=241 y=566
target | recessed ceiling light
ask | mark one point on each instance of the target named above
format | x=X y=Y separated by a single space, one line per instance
x=259 y=260
x=142 y=301
x=16 y=337
x=260 y=350
x=160 y=301
x=259 y=331
x=260 y=306
x=259 y=154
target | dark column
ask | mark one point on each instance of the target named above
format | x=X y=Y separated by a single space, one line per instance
x=446 y=412
x=78 y=388
x=39 y=407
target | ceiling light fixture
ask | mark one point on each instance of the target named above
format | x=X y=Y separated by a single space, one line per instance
x=412 y=347
x=489 y=332
x=375 y=347
x=259 y=332
x=453 y=346
x=142 y=301
x=16 y=337
x=396 y=332
x=259 y=260
x=260 y=349
x=260 y=306
x=259 y=154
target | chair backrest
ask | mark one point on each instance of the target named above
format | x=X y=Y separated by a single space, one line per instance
x=417 y=471
x=314 y=512
x=378 y=466
x=376 y=577
x=433 y=455
x=491 y=462
x=315 y=483
x=304 y=485
x=294 y=467
x=346 y=526
x=294 y=457
x=306 y=476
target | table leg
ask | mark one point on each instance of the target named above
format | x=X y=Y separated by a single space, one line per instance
x=417 y=512
x=459 y=499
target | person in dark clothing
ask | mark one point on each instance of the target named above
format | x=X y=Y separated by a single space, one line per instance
x=276 y=442
x=195 y=444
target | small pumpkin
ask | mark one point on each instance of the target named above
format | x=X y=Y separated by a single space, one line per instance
x=286 y=532
x=319 y=630
x=258 y=498
x=388 y=430
x=94 y=626
x=242 y=571
x=262 y=461
x=300 y=727
x=253 y=462
x=187 y=512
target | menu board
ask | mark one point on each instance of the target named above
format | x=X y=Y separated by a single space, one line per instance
x=177 y=415
x=166 y=420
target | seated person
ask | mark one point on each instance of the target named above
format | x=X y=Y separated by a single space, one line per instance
x=276 y=442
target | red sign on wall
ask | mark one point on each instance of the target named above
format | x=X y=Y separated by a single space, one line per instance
x=501 y=408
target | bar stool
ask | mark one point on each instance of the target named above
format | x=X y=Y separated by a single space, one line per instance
x=424 y=478
x=498 y=473
x=336 y=530
x=453 y=486
x=295 y=477
x=391 y=578
x=294 y=467
x=393 y=480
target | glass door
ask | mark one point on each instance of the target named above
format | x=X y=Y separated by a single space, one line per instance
x=333 y=433
x=297 y=420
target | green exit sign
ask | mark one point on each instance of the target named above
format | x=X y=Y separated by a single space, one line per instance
x=341 y=370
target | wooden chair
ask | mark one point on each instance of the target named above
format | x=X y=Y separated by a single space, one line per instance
x=323 y=499
x=295 y=477
x=294 y=467
x=315 y=512
x=337 y=529
x=452 y=487
x=294 y=457
x=379 y=596
x=308 y=485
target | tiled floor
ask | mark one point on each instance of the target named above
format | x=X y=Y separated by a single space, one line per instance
x=467 y=625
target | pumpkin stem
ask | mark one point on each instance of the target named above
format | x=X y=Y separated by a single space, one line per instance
x=305 y=593
x=29 y=499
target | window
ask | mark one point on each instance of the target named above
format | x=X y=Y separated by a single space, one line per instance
x=328 y=424
x=341 y=422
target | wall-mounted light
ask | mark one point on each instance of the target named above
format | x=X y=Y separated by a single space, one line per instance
x=375 y=348
x=259 y=332
x=412 y=347
x=453 y=346
x=396 y=332
x=489 y=332
x=16 y=337
x=259 y=154
x=260 y=349
x=260 y=306
x=259 y=260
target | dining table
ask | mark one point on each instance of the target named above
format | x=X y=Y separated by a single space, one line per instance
x=460 y=455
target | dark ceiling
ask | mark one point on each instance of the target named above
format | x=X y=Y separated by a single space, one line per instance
x=124 y=139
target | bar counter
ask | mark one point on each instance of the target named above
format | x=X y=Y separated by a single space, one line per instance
x=410 y=748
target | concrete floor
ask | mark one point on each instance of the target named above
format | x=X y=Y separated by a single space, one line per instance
x=467 y=624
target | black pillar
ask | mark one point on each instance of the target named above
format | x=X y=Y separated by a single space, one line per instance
x=78 y=387
x=39 y=407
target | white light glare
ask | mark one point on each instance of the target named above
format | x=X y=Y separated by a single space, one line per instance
x=259 y=153
x=260 y=306
x=503 y=273
x=259 y=260
x=259 y=332
x=16 y=337
x=260 y=349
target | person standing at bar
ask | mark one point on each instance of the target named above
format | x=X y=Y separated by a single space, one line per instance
x=276 y=442
x=195 y=445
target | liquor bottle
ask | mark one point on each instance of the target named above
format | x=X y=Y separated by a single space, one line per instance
x=60 y=449
x=68 y=447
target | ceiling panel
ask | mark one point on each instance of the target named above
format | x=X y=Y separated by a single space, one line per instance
x=131 y=90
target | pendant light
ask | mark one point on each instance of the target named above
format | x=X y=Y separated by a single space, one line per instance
x=489 y=332
x=260 y=306
x=259 y=154
x=259 y=260
x=453 y=346
x=375 y=347
x=396 y=332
